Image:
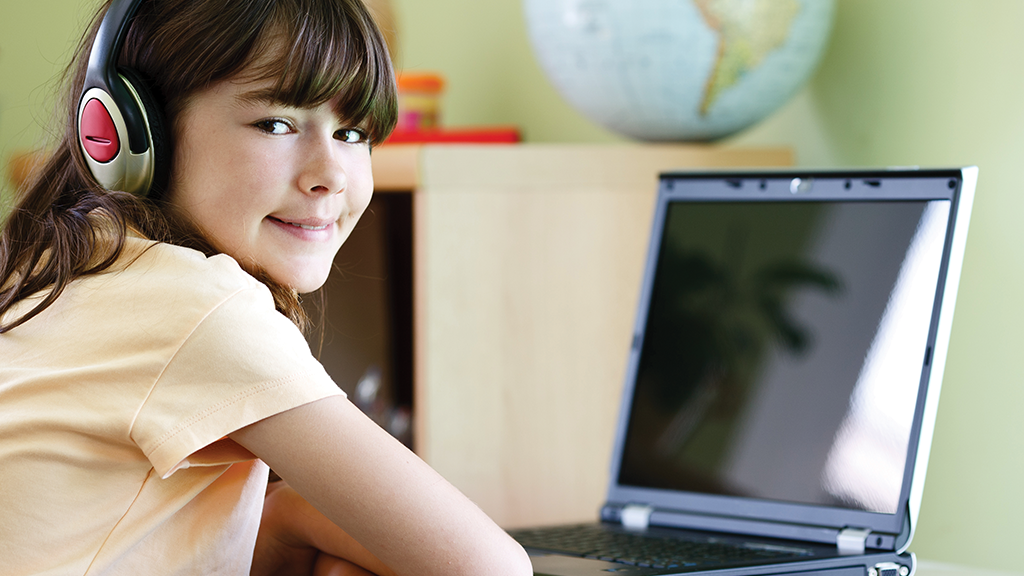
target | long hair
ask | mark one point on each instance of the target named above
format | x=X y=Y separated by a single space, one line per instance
x=65 y=226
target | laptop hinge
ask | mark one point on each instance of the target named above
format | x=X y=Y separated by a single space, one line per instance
x=852 y=541
x=636 y=516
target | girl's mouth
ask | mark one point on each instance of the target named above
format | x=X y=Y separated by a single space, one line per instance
x=300 y=225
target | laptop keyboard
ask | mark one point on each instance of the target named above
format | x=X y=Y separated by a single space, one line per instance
x=594 y=541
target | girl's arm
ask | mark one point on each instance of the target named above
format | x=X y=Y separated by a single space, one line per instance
x=379 y=492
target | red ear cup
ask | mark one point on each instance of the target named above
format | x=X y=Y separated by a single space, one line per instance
x=97 y=132
x=103 y=138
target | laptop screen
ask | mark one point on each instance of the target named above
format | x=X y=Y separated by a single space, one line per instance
x=783 y=350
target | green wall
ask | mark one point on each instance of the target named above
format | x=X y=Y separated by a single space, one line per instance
x=36 y=40
x=914 y=82
x=482 y=49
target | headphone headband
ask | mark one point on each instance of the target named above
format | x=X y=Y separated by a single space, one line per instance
x=102 y=71
x=116 y=109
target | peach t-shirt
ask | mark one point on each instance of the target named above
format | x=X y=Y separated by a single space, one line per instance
x=114 y=407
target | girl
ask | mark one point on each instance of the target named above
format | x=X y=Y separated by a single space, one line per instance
x=151 y=359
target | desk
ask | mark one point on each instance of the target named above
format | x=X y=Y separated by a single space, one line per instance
x=926 y=568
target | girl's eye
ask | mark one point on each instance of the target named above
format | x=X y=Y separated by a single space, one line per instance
x=351 y=136
x=273 y=126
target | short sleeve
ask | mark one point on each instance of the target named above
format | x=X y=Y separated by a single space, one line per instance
x=243 y=362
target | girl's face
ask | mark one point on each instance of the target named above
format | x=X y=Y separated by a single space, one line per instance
x=269 y=184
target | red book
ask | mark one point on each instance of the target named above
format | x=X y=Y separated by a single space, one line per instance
x=484 y=135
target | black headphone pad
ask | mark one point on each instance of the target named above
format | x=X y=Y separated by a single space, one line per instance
x=153 y=108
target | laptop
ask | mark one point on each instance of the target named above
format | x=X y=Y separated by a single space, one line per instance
x=783 y=379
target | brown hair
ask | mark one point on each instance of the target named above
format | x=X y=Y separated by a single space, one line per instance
x=316 y=50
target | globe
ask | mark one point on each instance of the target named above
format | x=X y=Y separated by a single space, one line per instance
x=678 y=70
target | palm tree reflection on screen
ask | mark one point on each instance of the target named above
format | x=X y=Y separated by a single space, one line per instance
x=711 y=323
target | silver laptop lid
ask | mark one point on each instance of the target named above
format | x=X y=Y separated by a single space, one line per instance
x=789 y=350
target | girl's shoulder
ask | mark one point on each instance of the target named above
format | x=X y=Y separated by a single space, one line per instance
x=162 y=287
x=151 y=283
x=160 y=266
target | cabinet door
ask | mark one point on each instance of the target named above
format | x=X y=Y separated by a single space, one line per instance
x=528 y=261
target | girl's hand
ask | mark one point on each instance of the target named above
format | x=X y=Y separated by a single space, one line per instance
x=327 y=565
x=296 y=539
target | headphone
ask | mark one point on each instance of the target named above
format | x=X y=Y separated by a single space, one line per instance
x=120 y=124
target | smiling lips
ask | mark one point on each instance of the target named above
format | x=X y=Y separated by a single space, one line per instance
x=312 y=227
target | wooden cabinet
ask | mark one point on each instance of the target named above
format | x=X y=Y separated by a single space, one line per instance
x=523 y=272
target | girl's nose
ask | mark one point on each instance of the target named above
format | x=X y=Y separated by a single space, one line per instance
x=324 y=170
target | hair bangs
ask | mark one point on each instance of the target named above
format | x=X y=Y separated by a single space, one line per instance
x=328 y=53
